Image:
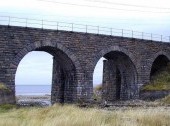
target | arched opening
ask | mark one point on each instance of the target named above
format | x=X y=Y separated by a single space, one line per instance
x=159 y=79
x=159 y=64
x=34 y=78
x=97 y=80
x=119 y=77
x=63 y=75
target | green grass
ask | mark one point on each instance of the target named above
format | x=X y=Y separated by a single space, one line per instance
x=70 y=115
x=159 y=82
x=166 y=100
x=6 y=107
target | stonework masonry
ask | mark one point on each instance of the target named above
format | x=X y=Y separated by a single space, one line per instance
x=127 y=67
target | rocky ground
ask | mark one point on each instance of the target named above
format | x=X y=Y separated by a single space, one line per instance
x=33 y=100
x=135 y=104
x=45 y=100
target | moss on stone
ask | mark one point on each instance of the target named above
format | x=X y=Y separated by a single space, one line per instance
x=4 y=87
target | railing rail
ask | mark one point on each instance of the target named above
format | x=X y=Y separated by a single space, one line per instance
x=47 y=24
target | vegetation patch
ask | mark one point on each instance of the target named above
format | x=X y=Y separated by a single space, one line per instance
x=166 y=100
x=97 y=93
x=6 y=107
x=70 y=115
x=3 y=87
x=159 y=82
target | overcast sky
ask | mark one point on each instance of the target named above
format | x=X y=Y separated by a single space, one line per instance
x=152 y=16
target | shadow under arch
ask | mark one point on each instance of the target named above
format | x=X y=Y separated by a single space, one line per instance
x=102 y=52
x=119 y=71
x=34 y=46
x=65 y=69
x=159 y=62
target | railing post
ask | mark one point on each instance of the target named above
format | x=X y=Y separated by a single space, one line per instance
x=9 y=20
x=72 y=27
x=134 y=33
x=42 y=23
x=122 y=32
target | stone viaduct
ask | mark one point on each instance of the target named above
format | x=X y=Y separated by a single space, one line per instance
x=129 y=63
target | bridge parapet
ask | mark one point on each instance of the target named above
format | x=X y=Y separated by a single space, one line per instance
x=55 y=25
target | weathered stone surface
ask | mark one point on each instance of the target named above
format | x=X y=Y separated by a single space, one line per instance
x=75 y=57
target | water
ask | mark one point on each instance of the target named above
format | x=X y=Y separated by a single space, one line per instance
x=33 y=89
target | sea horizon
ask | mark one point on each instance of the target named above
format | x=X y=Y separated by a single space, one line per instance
x=33 y=89
x=30 y=89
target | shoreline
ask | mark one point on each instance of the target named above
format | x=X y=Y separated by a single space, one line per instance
x=33 y=100
x=45 y=100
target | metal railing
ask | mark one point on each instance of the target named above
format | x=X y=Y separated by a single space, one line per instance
x=45 y=24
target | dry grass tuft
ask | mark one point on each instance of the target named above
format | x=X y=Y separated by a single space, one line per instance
x=70 y=115
x=166 y=100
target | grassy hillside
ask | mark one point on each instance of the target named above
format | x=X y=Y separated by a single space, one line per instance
x=160 y=81
x=70 y=115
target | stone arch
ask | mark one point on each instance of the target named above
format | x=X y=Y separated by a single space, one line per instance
x=129 y=87
x=160 y=58
x=31 y=47
x=102 y=52
x=67 y=53
x=159 y=53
